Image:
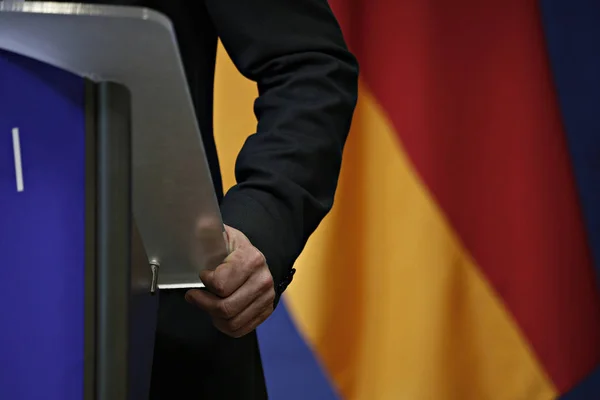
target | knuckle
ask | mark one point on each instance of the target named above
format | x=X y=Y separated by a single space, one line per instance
x=234 y=325
x=265 y=282
x=236 y=257
x=256 y=258
x=219 y=286
x=224 y=310
x=219 y=289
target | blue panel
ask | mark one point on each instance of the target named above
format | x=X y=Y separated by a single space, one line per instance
x=41 y=232
x=572 y=30
x=291 y=370
x=589 y=389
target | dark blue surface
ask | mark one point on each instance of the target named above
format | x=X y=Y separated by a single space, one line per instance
x=589 y=389
x=41 y=233
x=291 y=370
x=572 y=30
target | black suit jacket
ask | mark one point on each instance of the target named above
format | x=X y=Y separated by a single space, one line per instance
x=286 y=173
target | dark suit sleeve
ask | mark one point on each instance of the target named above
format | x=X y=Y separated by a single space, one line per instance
x=287 y=172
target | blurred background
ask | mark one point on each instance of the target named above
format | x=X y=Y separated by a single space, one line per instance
x=461 y=258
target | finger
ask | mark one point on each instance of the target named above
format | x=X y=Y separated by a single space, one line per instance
x=257 y=285
x=234 y=271
x=229 y=307
x=203 y=299
x=244 y=316
x=249 y=326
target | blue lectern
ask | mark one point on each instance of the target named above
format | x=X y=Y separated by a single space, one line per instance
x=103 y=184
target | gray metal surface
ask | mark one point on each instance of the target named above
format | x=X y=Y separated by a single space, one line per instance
x=174 y=201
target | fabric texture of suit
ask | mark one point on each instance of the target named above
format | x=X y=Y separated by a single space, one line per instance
x=287 y=172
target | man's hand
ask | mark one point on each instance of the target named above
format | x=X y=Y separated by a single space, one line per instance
x=241 y=290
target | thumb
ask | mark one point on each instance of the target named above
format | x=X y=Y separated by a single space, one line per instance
x=226 y=238
x=234 y=238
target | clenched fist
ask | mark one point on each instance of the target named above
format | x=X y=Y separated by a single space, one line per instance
x=240 y=292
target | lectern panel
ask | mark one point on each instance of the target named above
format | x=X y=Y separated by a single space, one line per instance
x=173 y=196
x=42 y=231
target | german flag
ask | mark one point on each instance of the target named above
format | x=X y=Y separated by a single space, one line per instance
x=458 y=262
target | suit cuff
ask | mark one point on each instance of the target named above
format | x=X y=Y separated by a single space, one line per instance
x=248 y=211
